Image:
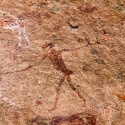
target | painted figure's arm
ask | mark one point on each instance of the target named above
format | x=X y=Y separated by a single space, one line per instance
x=74 y=49
x=28 y=66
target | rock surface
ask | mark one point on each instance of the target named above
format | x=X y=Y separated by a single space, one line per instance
x=95 y=32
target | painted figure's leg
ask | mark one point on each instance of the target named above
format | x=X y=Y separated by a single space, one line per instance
x=73 y=88
x=57 y=93
x=26 y=37
x=19 y=38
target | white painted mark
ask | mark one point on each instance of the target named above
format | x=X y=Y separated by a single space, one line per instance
x=17 y=24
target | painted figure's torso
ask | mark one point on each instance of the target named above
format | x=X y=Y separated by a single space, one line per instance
x=56 y=58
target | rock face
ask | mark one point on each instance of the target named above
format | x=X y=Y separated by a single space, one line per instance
x=59 y=58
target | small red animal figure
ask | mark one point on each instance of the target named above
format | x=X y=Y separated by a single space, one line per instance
x=75 y=119
x=56 y=58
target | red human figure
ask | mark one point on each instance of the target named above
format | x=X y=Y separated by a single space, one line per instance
x=55 y=56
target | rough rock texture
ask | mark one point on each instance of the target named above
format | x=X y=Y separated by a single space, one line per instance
x=98 y=68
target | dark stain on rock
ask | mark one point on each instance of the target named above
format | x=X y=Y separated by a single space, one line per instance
x=38 y=120
x=85 y=68
x=80 y=40
x=100 y=61
x=94 y=51
x=74 y=27
x=87 y=39
x=87 y=9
